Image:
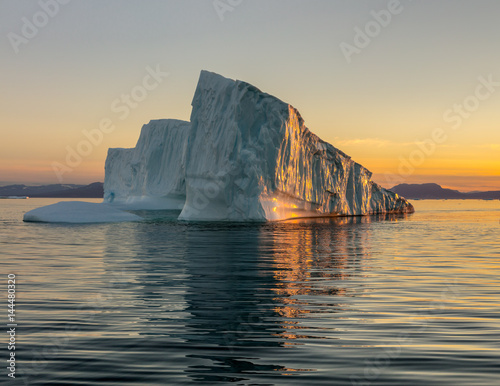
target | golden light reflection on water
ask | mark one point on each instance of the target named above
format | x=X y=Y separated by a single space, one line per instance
x=302 y=267
x=325 y=260
x=222 y=300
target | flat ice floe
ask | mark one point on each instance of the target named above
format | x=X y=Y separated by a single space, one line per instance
x=79 y=212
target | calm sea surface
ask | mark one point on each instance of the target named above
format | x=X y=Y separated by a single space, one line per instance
x=388 y=300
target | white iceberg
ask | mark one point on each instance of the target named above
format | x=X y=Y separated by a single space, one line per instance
x=245 y=156
x=79 y=212
x=151 y=175
x=249 y=156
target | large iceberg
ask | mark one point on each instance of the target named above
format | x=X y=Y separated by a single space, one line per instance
x=245 y=156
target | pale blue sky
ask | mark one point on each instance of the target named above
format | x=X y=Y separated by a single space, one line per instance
x=393 y=93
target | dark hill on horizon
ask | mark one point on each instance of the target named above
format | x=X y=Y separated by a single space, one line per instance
x=436 y=192
x=428 y=191
x=94 y=190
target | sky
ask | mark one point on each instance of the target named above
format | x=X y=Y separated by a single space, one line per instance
x=409 y=89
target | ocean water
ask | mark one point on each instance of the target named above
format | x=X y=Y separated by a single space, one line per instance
x=382 y=300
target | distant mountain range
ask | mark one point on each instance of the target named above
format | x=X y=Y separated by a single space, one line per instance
x=94 y=190
x=436 y=192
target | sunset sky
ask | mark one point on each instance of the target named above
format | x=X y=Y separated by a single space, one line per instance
x=409 y=89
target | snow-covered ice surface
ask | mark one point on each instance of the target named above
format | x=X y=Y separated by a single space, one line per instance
x=245 y=156
x=78 y=212
x=151 y=175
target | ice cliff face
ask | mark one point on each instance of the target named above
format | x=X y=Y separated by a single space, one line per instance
x=151 y=175
x=246 y=156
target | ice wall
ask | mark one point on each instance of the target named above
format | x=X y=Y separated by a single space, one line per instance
x=249 y=157
x=245 y=156
x=151 y=175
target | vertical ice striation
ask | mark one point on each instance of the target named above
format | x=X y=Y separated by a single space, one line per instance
x=249 y=157
x=151 y=175
x=245 y=156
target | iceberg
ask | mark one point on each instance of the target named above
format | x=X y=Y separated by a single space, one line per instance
x=244 y=156
x=151 y=175
x=78 y=212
